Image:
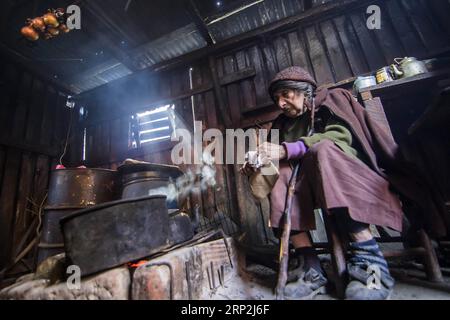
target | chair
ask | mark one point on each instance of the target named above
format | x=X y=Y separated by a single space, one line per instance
x=337 y=242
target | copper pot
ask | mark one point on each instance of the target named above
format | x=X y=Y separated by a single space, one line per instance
x=30 y=33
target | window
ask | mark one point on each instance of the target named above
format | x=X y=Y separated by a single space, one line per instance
x=152 y=126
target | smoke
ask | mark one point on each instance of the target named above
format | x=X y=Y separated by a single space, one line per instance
x=193 y=181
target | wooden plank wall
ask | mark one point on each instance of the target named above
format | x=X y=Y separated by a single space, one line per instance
x=333 y=48
x=107 y=134
x=32 y=127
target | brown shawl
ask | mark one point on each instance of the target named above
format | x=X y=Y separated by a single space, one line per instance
x=386 y=160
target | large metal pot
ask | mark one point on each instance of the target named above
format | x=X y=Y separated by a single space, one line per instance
x=71 y=190
x=51 y=241
x=82 y=187
x=141 y=180
x=108 y=235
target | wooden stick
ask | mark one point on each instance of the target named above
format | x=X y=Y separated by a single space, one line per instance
x=20 y=256
x=284 y=242
x=25 y=237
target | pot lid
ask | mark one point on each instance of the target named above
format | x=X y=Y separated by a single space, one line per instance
x=164 y=169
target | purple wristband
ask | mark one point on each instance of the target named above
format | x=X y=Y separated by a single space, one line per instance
x=295 y=150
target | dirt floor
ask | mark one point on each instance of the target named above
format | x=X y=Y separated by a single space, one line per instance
x=258 y=281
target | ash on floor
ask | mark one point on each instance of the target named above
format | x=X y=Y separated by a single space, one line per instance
x=258 y=281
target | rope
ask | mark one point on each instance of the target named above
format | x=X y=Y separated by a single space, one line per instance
x=67 y=136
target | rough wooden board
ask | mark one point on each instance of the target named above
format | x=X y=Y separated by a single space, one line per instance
x=233 y=92
x=321 y=66
x=22 y=216
x=49 y=117
x=335 y=50
x=41 y=176
x=298 y=51
x=9 y=91
x=246 y=86
x=423 y=25
x=269 y=58
x=8 y=204
x=282 y=52
x=2 y=164
x=21 y=109
x=35 y=112
x=440 y=9
x=352 y=48
x=371 y=50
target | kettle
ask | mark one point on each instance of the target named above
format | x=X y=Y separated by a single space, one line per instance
x=408 y=67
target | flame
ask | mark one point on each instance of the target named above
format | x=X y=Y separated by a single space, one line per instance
x=137 y=264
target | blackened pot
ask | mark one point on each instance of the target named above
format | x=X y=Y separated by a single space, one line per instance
x=145 y=179
x=79 y=187
x=52 y=241
x=180 y=228
x=71 y=190
x=114 y=233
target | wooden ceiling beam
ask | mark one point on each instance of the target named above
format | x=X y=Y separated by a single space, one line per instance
x=115 y=50
x=195 y=14
x=245 y=38
x=36 y=70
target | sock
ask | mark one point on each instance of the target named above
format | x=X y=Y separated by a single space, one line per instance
x=368 y=251
x=310 y=258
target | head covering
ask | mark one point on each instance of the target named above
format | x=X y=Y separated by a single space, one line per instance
x=294 y=74
x=293 y=85
x=288 y=78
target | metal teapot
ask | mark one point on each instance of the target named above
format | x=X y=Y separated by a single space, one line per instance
x=408 y=67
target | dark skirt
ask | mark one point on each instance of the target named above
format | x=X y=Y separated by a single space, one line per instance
x=329 y=179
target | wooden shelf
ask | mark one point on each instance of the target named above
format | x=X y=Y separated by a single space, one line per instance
x=409 y=83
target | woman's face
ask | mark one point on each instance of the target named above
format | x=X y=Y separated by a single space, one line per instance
x=291 y=102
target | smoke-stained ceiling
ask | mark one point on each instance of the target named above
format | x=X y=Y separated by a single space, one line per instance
x=119 y=37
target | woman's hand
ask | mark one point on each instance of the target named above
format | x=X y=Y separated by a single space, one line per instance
x=247 y=169
x=272 y=151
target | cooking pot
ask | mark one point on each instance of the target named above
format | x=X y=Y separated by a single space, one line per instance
x=80 y=187
x=180 y=227
x=111 y=234
x=145 y=179
x=72 y=190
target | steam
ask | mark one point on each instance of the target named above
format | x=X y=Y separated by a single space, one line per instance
x=193 y=181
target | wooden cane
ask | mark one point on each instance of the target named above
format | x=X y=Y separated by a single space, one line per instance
x=284 y=242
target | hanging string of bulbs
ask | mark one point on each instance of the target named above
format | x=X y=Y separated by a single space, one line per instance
x=50 y=25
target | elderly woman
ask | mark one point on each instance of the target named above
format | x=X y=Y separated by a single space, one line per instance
x=345 y=161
